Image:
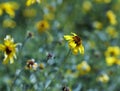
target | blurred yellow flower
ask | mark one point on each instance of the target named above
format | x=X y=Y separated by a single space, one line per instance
x=97 y=25
x=8 y=23
x=42 y=66
x=87 y=5
x=83 y=68
x=9 y=49
x=112 y=32
x=112 y=51
x=30 y=2
x=104 y=78
x=112 y=61
x=112 y=17
x=29 y=13
x=75 y=43
x=42 y=25
x=31 y=65
x=9 y=8
x=103 y=1
x=49 y=16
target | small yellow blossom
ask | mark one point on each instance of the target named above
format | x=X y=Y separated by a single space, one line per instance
x=83 y=68
x=112 y=51
x=104 y=78
x=9 y=8
x=42 y=25
x=30 y=2
x=41 y=66
x=87 y=5
x=103 y=1
x=49 y=16
x=29 y=13
x=97 y=25
x=75 y=43
x=112 y=32
x=112 y=17
x=112 y=61
x=8 y=23
x=31 y=65
x=9 y=49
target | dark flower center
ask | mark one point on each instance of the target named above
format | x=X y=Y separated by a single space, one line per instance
x=30 y=63
x=42 y=25
x=112 y=53
x=77 y=40
x=8 y=50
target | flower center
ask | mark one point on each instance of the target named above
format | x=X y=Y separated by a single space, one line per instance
x=30 y=63
x=77 y=40
x=112 y=53
x=42 y=25
x=8 y=50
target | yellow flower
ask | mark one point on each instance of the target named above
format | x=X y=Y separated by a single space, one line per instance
x=8 y=23
x=9 y=49
x=83 y=68
x=112 y=32
x=112 y=17
x=87 y=5
x=29 y=13
x=42 y=25
x=9 y=8
x=104 y=78
x=103 y=1
x=30 y=2
x=75 y=43
x=112 y=60
x=97 y=25
x=31 y=65
x=49 y=16
x=42 y=66
x=112 y=51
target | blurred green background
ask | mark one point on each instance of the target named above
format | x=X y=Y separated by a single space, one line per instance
x=39 y=25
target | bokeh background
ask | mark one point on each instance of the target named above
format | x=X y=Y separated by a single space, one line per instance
x=39 y=25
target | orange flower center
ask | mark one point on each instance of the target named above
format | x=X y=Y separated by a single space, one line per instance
x=77 y=40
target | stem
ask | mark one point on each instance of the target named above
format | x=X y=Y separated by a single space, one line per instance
x=15 y=78
x=66 y=57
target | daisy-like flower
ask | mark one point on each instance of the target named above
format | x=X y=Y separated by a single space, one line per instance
x=112 y=51
x=9 y=8
x=31 y=64
x=75 y=43
x=42 y=25
x=9 y=49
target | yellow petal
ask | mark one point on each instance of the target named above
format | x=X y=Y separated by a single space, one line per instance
x=81 y=49
x=72 y=44
x=11 y=60
x=75 y=51
x=68 y=37
x=110 y=61
x=6 y=60
x=74 y=34
x=2 y=47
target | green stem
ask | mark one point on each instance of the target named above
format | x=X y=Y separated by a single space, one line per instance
x=15 y=78
x=66 y=57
